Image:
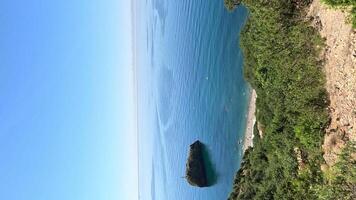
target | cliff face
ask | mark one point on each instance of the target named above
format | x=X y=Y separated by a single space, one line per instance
x=340 y=70
x=195 y=168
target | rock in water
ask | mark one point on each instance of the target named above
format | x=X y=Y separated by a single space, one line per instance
x=195 y=168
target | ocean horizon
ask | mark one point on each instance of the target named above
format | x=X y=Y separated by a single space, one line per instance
x=191 y=87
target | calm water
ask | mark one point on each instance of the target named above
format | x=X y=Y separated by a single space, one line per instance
x=190 y=87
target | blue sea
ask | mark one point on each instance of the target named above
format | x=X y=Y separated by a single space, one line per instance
x=190 y=87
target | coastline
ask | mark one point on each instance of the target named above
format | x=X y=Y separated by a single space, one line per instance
x=307 y=59
x=250 y=122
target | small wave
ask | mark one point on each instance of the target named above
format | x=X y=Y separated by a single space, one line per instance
x=153 y=182
x=161 y=7
x=162 y=148
x=165 y=95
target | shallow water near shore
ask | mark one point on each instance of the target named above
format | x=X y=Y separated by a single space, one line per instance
x=191 y=87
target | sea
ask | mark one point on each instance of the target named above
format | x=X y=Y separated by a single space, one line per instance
x=190 y=87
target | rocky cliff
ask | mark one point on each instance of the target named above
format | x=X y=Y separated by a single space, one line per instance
x=340 y=69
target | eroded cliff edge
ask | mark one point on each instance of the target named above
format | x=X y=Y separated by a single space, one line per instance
x=339 y=58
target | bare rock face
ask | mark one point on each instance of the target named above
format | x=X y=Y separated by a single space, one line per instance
x=340 y=69
x=195 y=167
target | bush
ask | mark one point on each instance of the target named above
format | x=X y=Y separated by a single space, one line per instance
x=345 y=3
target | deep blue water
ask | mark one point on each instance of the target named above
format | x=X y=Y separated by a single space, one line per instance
x=191 y=87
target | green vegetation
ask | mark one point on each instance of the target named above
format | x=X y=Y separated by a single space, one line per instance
x=282 y=64
x=340 y=180
x=345 y=3
x=231 y=4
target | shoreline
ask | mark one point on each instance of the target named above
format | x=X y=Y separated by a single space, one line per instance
x=250 y=122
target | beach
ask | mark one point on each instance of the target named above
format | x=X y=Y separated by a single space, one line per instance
x=250 y=122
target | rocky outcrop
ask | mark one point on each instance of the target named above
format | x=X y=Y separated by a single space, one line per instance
x=195 y=168
x=340 y=69
x=231 y=4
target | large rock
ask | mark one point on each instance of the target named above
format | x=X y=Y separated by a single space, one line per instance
x=195 y=167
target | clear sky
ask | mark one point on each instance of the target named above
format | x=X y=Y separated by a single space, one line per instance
x=67 y=120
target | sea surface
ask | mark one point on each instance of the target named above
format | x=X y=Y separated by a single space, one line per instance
x=190 y=87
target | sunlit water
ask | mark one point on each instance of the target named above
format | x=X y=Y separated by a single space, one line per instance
x=191 y=87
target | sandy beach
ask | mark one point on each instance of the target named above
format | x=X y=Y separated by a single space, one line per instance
x=251 y=119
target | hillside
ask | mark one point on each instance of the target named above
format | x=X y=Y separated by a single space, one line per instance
x=283 y=62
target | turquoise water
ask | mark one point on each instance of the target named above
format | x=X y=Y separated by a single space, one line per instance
x=191 y=87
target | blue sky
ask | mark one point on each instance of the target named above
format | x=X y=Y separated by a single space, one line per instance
x=67 y=112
